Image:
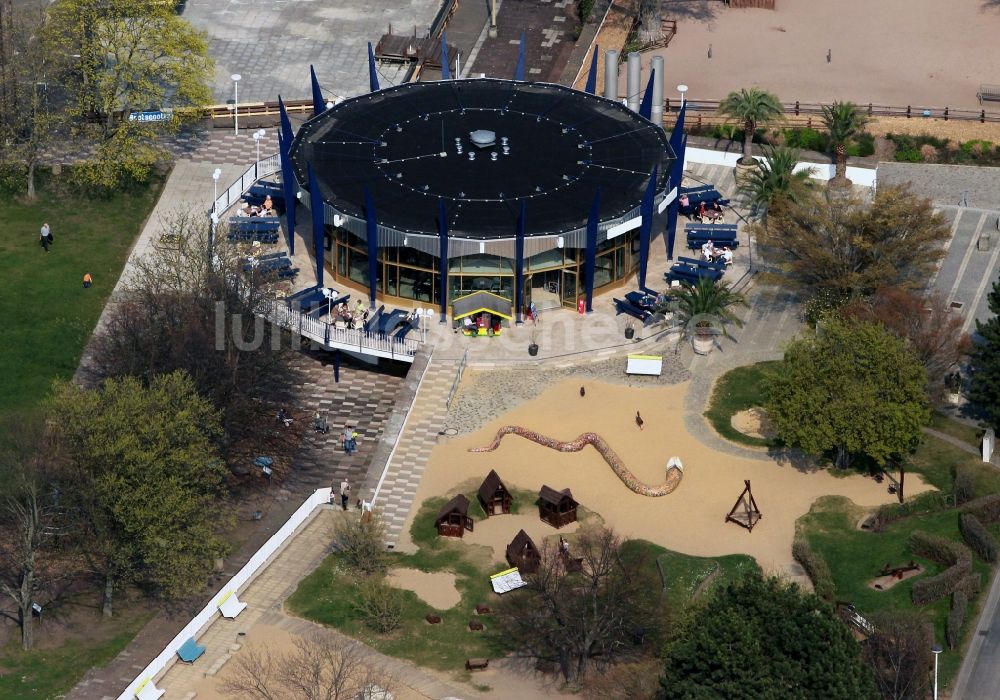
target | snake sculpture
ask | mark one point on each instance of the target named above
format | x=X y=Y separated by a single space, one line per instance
x=675 y=470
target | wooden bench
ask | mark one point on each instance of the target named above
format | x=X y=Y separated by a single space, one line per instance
x=988 y=93
x=476 y=664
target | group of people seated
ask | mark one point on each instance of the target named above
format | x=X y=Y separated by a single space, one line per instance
x=265 y=209
x=713 y=254
x=706 y=211
x=353 y=318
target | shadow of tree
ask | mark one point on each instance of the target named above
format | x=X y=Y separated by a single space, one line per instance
x=701 y=10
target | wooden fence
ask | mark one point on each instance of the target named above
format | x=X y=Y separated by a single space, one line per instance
x=810 y=113
x=757 y=4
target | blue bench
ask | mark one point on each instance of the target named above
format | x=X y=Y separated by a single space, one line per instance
x=703 y=263
x=259 y=236
x=709 y=227
x=404 y=330
x=374 y=320
x=388 y=322
x=270 y=265
x=627 y=307
x=309 y=298
x=691 y=274
x=288 y=273
x=190 y=651
x=692 y=190
x=697 y=243
x=254 y=223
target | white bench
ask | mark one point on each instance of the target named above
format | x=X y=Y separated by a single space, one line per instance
x=147 y=690
x=230 y=606
x=988 y=92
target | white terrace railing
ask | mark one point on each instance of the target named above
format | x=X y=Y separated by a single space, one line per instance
x=235 y=192
x=351 y=340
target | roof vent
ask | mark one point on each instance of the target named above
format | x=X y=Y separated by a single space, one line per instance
x=481 y=138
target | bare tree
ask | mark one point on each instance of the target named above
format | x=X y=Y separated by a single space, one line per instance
x=899 y=654
x=184 y=308
x=30 y=518
x=595 y=602
x=323 y=666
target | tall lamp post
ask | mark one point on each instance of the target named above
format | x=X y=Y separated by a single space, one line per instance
x=236 y=102
x=682 y=89
x=937 y=652
x=257 y=136
x=215 y=179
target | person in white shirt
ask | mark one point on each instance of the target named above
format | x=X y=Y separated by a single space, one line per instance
x=727 y=256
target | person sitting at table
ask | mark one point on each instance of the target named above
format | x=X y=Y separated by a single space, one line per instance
x=727 y=256
x=684 y=201
x=268 y=203
x=714 y=206
x=701 y=210
x=707 y=249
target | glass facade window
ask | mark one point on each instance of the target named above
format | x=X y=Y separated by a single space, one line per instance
x=408 y=273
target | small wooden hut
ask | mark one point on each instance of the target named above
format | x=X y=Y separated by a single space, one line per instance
x=557 y=508
x=494 y=496
x=522 y=553
x=453 y=518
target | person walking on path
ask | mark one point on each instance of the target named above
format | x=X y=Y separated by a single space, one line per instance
x=345 y=493
x=87 y=280
x=638 y=420
x=45 y=237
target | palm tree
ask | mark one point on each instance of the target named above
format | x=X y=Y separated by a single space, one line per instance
x=844 y=121
x=750 y=108
x=705 y=308
x=776 y=180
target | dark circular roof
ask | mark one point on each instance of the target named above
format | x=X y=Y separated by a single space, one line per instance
x=411 y=145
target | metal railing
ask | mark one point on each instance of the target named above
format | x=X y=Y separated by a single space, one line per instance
x=233 y=194
x=458 y=379
x=350 y=339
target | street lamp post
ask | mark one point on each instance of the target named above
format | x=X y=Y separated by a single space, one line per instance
x=236 y=102
x=215 y=179
x=257 y=136
x=937 y=652
x=682 y=89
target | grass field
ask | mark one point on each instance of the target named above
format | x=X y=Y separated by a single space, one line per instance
x=49 y=316
x=737 y=390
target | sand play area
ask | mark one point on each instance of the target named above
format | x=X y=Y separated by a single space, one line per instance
x=436 y=588
x=690 y=520
x=889 y=52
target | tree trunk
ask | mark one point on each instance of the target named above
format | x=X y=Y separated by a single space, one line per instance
x=31 y=180
x=749 y=127
x=109 y=589
x=24 y=609
x=840 y=156
x=902 y=475
x=843 y=459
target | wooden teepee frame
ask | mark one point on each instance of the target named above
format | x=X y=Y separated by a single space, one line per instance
x=749 y=513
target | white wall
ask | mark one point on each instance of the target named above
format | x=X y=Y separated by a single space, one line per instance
x=821 y=171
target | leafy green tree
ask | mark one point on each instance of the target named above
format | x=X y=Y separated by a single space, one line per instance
x=854 y=388
x=844 y=121
x=850 y=247
x=132 y=55
x=775 y=181
x=763 y=639
x=751 y=108
x=984 y=364
x=148 y=481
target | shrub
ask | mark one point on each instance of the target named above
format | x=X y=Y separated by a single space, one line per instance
x=986 y=509
x=928 y=590
x=956 y=618
x=361 y=541
x=978 y=537
x=938 y=549
x=970 y=585
x=13 y=178
x=380 y=605
x=928 y=502
x=807 y=139
x=816 y=568
x=965 y=485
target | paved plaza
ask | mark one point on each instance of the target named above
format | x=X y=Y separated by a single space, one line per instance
x=272 y=44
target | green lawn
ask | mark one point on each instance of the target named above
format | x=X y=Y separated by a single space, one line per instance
x=682 y=574
x=49 y=316
x=963 y=431
x=49 y=673
x=855 y=557
x=737 y=390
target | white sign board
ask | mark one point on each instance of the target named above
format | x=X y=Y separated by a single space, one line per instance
x=644 y=364
x=989 y=444
x=508 y=580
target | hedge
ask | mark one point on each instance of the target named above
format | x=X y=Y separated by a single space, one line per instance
x=816 y=569
x=956 y=618
x=970 y=585
x=934 y=588
x=965 y=485
x=978 y=537
x=986 y=509
x=938 y=549
x=928 y=502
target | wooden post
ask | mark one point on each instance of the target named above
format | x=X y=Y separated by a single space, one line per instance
x=946 y=114
x=982 y=117
x=796 y=108
x=907 y=111
x=869 y=109
x=902 y=475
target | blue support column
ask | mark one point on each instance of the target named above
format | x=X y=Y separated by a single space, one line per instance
x=646 y=228
x=519 y=261
x=675 y=179
x=678 y=133
x=443 y=258
x=372 y=74
x=592 y=76
x=519 y=71
x=319 y=104
x=316 y=205
x=646 y=106
x=445 y=68
x=290 y=189
x=372 y=229
x=286 y=125
x=590 y=261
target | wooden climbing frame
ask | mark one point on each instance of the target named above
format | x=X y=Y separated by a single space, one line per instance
x=745 y=512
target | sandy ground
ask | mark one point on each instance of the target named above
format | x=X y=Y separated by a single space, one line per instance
x=753 y=422
x=884 y=583
x=691 y=520
x=437 y=589
x=498 y=531
x=889 y=52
